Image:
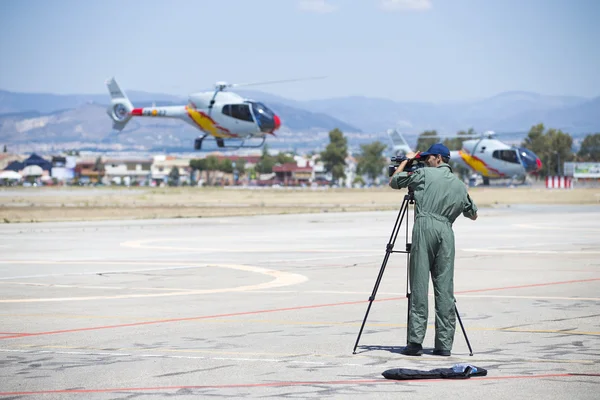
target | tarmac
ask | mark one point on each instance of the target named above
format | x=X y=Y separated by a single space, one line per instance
x=271 y=306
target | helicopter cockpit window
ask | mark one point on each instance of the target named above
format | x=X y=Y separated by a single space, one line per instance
x=506 y=155
x=238 y=111
x=264 y=116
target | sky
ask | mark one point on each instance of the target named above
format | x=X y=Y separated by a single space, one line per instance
x=407 y=50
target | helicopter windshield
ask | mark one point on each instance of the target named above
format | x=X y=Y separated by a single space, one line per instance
x=529 y=159
x=506 y=155
x=238 y=111
x=264 y=116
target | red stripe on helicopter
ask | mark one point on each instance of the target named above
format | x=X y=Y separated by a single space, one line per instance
x=137 y=111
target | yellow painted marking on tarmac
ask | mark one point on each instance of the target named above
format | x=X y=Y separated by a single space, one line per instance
x=281 y=278
x=144 y=244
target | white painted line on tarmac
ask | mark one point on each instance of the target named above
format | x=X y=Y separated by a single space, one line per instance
x=124 y=271
x=145 y=244
x=281 y=279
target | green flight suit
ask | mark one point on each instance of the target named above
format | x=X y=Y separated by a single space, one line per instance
x=440 y=197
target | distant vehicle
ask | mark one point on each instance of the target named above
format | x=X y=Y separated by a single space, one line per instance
x=487 y=156
x=224 y=116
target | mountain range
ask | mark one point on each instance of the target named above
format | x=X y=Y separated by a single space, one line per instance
x=41 y=121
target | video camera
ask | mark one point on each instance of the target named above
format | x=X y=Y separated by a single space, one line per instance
x=412 y=165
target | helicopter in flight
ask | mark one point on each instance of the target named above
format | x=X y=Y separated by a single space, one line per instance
x=485 y=155
x=224 y=116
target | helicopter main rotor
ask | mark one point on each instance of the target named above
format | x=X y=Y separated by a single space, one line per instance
x=221 y=85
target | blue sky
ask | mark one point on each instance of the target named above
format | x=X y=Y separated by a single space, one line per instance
x=420 y=50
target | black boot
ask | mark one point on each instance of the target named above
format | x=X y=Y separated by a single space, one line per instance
x=413 y=349
x=439 y=352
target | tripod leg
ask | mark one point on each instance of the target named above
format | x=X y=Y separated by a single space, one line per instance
x=408 y=292
x=463 y=329
x=389 y=249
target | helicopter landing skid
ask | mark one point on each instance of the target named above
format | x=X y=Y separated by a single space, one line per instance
x=221 y=143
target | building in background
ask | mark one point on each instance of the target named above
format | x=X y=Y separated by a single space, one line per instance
x=583 y=173
x=128 y=171
x=163 y=165
x=63 y=168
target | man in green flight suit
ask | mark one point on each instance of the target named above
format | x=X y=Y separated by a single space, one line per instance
x=440 y=198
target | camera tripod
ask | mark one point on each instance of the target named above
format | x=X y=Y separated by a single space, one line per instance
x=389 y=249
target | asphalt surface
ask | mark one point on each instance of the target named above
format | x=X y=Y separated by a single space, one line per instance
x=271 y=306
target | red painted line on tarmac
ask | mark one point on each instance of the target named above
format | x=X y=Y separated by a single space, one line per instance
x=161 y=321
x=527 y=286
x=281 y=384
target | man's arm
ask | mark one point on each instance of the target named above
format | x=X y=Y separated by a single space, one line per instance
x=401 y=179
x=398 y=170
x=470 y=209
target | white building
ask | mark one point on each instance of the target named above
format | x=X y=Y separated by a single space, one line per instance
x=129 y=171
x=162 y=166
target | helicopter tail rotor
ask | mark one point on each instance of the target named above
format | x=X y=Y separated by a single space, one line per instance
x=120 y=107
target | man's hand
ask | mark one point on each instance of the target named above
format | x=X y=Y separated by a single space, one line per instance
x=412 y=155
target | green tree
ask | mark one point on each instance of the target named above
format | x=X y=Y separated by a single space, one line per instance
x=99 y=167
x=552 y=146
x=197 y=164
x=240 y=166
x=535 y=140
x=226 y=165
x=371 y=161
x=5 y=149
x=426 y=139
x=266 y=162
x=174 y=177
x=590 y=148
x=211 y=164
x=283 y=158
x=334 y=156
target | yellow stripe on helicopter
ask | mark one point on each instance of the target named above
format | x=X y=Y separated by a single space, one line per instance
x=207 y=124
x=478 y=165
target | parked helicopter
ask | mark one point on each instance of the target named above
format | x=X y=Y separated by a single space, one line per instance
x=222 y=115
x=485 y=155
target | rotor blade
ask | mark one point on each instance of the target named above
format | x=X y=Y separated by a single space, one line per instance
x=279 y=81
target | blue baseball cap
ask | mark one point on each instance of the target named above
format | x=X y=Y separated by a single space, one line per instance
x=437 y=148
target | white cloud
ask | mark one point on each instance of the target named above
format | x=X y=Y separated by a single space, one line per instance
x=405 y=5
x=317 y=6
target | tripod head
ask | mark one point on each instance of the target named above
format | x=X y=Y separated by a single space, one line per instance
x=410 y=196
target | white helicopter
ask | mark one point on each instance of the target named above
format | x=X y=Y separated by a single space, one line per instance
x=221 y=115
x=485 y=155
